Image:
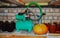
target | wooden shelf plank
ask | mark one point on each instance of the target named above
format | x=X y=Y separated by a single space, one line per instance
x=43 y=6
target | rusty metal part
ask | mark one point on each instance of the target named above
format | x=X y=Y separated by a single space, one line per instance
x=55 y=3
x=12 y=2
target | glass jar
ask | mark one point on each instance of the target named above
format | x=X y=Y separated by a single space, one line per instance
x=58 y=27
x=52 y=28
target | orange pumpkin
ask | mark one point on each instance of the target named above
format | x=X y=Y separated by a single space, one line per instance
x=40 y=29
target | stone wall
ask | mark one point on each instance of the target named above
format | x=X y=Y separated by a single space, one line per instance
x=52 y=14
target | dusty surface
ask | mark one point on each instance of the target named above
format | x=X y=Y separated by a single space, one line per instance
x=25 y=34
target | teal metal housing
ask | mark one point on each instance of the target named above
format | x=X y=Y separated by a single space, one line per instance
x=23 y=24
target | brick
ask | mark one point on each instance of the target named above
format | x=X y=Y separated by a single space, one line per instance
x=15 y=11
x=46 y=18
x=47 y=21
x=54 y=14
x=59 y=18
x=49 y=14
x=10 y=14
x=5 y=17
x=13 y=17
x=52 y=10
x=57 y=14
x=47 y=10
x=55 y=18
x=1 y=18
x=50 y=17
x=19 y=10
x=37 y=10
x=6 y=10
x=43 y=21
x=43 y=10
x=9 y=18
x=2 y=10
x=1 y=14
x=56 y=10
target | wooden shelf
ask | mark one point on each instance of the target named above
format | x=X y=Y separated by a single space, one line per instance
x=24 y=33
x=16 y=35
x=53 y=34
x=13 y=36
x=43 y=6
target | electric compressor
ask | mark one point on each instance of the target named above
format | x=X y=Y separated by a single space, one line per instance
x=24 y=22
